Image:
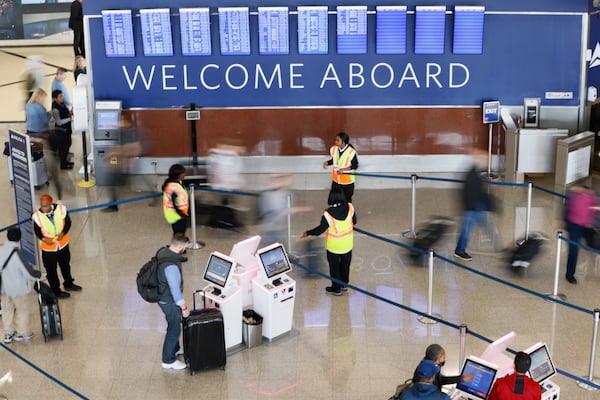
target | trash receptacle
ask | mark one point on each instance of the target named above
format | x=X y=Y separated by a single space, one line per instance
x=251 y=328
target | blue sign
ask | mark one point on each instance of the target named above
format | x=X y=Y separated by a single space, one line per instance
x=491 y=112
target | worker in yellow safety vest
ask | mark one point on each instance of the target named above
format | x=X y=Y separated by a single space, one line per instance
x=338 y=222
x=175 y=199
x=51 y=224
x=344 y=159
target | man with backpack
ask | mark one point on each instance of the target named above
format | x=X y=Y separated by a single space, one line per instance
x=171 y=301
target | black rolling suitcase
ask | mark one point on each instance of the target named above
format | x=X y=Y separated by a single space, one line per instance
x=49 y=311
x=429 y=235
x=204 y=339
x=526 y=251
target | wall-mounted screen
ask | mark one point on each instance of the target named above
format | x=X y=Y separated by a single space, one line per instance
x=542 y=367
x=468 y=29
x=352 y=29
x=313 y=27
x=194 y=24
x=273 y=30
x=234 y=31
x=273 y=260
x=390 y=29
x=107 y=120
x=118 y=33
x=219 y=269
x=430 y=26
x=156 y=32
x=483 y=378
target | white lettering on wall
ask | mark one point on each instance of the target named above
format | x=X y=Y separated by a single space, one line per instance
x=140 y=73
x=203 y=80
x=186 y=86
x=390 y=75
x=294 y=75
x=275 y=73
x=231 y=70
x=409 y=75
x=330 y=75
x=433 y=71
x=451 y=83
x=165 y=77
x=355 y=75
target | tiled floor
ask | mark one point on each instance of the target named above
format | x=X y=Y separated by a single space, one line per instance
x=351 y=347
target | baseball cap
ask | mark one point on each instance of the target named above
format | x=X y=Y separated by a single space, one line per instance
x=426 y=369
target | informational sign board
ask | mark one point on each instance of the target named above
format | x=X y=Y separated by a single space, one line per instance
x=491 y=112
x=22 y=167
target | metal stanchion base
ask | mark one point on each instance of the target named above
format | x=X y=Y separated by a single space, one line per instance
x=585 y=386
x=429 y=321
x=409 y=234
x=197 y=245
x=294 y=256
x=491 y=176
x=86 y=184
x=559 y=296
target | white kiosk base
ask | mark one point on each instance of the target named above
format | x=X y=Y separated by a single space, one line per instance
x=244 y=276
x=550 y=390
x=230 y=304
x=275 y=304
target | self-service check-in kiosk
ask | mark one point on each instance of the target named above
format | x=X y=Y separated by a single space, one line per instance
x=273 y=291
x=106 y=137
x=224 y=294
x=542 y=369
x=247 y=267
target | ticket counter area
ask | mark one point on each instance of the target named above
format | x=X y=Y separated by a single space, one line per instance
x=224 y=294
x=273 y=291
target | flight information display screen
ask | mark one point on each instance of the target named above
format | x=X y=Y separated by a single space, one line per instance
x=390 y=30
x=118 y=33
x=313 y=37
x=273 y=30
x=194 y=24
x=234 y=31
x=468 y=29
x=352 y=29
x=430 y=27
x=156 y=32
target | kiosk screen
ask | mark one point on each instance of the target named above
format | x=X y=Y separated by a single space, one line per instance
x=274 y=260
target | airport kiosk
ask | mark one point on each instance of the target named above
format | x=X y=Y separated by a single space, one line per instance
x=224 y=294
x=244 y=254
x=542 y=369
x=484 y=373
x=495 y=353
x=274 y=292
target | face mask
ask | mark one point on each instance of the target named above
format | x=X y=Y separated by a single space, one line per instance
x=442 y=364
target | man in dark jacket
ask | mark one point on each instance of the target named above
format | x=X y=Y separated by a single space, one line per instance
x=76 y=23
x=437 y=354
x=424 y=388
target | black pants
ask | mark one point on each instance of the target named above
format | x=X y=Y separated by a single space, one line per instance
x=60 y=142
x=180 y=226
x=339 y=267
x=78 y=42
x=61 y=257
x=347 y=189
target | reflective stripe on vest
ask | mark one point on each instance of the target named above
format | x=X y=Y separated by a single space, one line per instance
x=181 y=200
x=339 y=237
x=342 y=162
x=51 y=230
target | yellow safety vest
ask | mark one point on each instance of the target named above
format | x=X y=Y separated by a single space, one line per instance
x=51 y=229
x=339 y=237
x=181 y=202
x=342 y=162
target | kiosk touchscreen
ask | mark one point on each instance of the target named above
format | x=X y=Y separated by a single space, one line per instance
x=244 y=253
x=273 y=292
x=223 y=293
x=218 y=271
x=542 y=369
x=479 y=388
x=495 y=354
x=107 y=116
x=274 y=262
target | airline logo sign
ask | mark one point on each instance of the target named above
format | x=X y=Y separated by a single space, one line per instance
x=595 y=60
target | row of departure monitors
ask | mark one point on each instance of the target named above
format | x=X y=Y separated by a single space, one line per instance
x=272 y=259
x=484 y=372
x=313 y=30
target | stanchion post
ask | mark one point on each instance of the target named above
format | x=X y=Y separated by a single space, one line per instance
x=528 y=216
x=411 y=233
x=195 y=244
x=86 y=182
x=426 y=320
x=489 y=169
x=594 y=343
x=463 y=342
x=289 y=223
x=555 y=293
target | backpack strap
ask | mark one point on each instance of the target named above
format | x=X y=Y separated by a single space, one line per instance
x=8 y=259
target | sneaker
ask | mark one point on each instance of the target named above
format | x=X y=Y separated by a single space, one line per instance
x=179 y=352
x=62 y=295
x=19 y=337
x=333 y=291
x=73 y=287
x=463 y=256
x=175 y=365
x=571 y=279
x=8 y=337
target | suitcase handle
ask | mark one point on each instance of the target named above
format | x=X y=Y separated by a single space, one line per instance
x=203 y=296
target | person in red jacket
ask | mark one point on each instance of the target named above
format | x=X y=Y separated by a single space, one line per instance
x=517 y=386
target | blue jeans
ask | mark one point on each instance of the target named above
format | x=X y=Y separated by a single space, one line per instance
x=171 y=344
x=576 y=232
x=470 y=219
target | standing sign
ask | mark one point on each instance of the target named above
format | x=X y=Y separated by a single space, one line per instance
x=491 y=112
x=22 y=167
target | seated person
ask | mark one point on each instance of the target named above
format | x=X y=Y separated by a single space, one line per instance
x=517 y=386
x=423 y=387
x=437 y=354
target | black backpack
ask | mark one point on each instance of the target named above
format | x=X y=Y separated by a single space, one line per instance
x=147 y=279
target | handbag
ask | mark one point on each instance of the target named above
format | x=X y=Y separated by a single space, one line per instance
x=401 y=388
